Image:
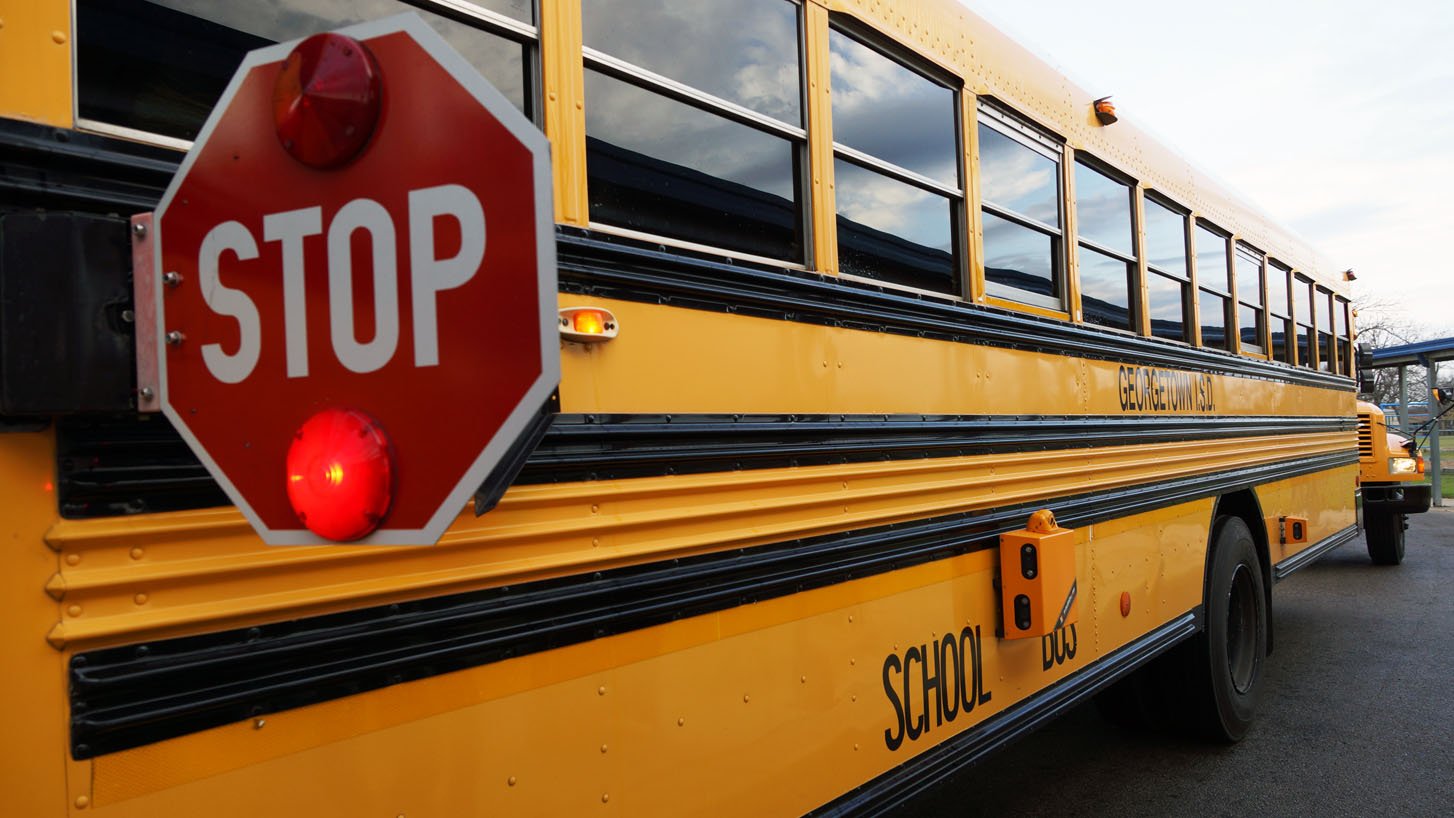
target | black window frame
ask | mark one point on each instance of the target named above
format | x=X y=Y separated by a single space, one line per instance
x=957 y=197
x=1134 y=307
x=1302 y=294
x=1252 y=254
x=1285 y=316
x=797 y=135
x=1002 y=120
x=1185 y=277
x=489 y=21
x=1226 y=279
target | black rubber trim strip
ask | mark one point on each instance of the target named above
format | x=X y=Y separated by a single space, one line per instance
x=131 y=464
x=595 y=264
x=133 y=695
x=1313 y=553
x=935 y=765
x=58 y=168
x=602 y=447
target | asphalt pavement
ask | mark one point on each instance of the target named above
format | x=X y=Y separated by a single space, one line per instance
x=1356 y=719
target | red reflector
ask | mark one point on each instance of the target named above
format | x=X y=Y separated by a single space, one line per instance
x=326 y=100
x=340 y=474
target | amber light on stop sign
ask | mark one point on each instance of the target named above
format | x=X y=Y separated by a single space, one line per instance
x=340 y=474
x=326 y=100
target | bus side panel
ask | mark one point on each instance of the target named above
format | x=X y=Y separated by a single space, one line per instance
x=35 y=43
x=32 y=673
x=770 y=708
x=1325 y=500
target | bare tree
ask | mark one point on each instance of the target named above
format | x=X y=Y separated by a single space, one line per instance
x=1380 y=323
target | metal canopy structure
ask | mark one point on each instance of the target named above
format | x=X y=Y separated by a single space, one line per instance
x=1427 y=354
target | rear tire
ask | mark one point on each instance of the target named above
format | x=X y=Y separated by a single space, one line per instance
x=1225 y=660
x=1384 y=532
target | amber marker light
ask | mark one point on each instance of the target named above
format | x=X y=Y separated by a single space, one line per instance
x=340 y=474
x=1105 y=111
x=587 y=325
x=326 y=100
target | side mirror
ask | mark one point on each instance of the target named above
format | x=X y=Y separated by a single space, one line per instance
x=1366 y=372
x=1443 y=396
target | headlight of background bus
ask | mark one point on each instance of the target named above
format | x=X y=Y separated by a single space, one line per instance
x=1403 y=465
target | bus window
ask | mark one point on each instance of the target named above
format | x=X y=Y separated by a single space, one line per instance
x=1325 y=330
x=1107 y=256
x=896 y=169
x=1251 y=311
x=1169 y=280
x=1302 y=296
x=156 y=68
x=680 y=141
x=1213 y=281
x=1020 y=198
x=1278 y=312
x=1345 y=341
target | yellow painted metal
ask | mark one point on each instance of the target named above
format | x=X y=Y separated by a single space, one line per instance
x=824 y=209
x=1383 y=444
x=1324 y=499
x=1071 y=297
x=969 y=124
x=563 y=71
x=35 y=61
x=798 y=367
x=1142 y=288
x=149 y=576
x=768 y=709
x=33 y=778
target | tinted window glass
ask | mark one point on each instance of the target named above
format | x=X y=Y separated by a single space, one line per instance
x=1249 y=326
x=1277 y=327
x=1325 y=352
x=745 y=51
x=1103 y=210
x=1345 y=358
x=1304 y=351
x=1325 y=314
x=891 y=231
x=1211 y=260
x=1302 y=296
x=1165 y=239
x=160 y=67
x=1019 y=257
x=664 y=167
x=1017 y=178
x=892 y=113
x=1277 y=289
x=1249 y=279
x=1165 y=302
x=1214 y=320
x=1104 y=289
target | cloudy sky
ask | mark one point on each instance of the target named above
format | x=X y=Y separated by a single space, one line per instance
x=1335 y=117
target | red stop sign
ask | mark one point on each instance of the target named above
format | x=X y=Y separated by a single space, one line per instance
x=413 y=285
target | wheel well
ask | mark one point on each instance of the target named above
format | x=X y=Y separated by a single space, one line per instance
x=1244 y=504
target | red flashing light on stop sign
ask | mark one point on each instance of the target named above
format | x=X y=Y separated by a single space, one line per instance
x=340 y=474
x=326 y=100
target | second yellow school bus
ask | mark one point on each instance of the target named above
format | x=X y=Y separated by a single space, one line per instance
x=939 y=402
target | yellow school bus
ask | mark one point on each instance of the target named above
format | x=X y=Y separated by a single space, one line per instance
x=939 y=401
